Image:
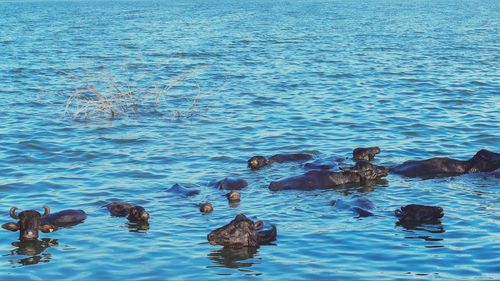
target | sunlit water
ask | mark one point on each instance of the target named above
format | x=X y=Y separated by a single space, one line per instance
x=417 y=78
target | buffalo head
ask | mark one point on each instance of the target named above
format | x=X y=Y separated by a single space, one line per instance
x=484 y=161
x=28 y=224
x=242 y=232
x=419 y=214
x=138 y=214
x=366 y=154
x=257 y=162
x=368 y=171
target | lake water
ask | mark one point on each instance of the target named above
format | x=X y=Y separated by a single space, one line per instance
x=418 y=78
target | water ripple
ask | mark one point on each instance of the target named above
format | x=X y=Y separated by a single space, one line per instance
x=417 y=79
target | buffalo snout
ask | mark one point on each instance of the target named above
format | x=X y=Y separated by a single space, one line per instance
x=29 y=235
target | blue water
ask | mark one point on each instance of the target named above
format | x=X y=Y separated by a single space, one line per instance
x=418 y=78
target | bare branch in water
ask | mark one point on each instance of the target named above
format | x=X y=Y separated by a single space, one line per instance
x=118 y=100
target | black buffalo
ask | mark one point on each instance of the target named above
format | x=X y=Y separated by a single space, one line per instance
x=367 y=154
x=124 y=209
x=230 y=184
x=257 y=162
x=182 y=191
x=414 y=214
x=242 y=232
x=31 y=221
x=360 y=173
x=483 y=161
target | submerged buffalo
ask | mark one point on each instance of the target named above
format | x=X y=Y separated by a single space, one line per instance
x=206 y=208
x=414 y=214
x=133 y=213
x=233 y=196
x=242 y=232
x=360 y=173
x=409 y=215
x=495 y=174
x=31 y=221
x=257 y=162
x=483 y=161
x=329 y=163
x=359 y=205
x=65 y=218
x=366 y=154
x=182 y=191
x=230 y=184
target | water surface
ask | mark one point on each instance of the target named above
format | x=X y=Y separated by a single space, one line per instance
x=417 y=78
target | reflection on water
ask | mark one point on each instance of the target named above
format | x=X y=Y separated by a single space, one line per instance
x=138 y=227
x=350 y=189
x=431 y=228
x=418 y=228
x=234 y=204
x=35 y=250
x=233 y=258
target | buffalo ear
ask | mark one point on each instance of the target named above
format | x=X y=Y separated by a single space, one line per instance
x=12 y=226
x=47 y=228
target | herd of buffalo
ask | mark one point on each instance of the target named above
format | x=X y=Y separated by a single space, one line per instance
x=321 y=174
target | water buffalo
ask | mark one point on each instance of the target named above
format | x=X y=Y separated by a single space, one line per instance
x=483 y=161
x=233 y=196
x=65 y=218
x=419 y=214
x=182 y=191
x=362 y=172
x=29 y=223
x=133 y=213
x=359 y=205
x=242 y=232
x=366 y=154
x=230 y=184
x=257 y=162
x=206 y=208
